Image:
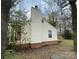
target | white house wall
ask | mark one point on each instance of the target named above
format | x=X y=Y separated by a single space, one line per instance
x=45 y=28
x=26 y=34
x=39 y=30
x=36 y=29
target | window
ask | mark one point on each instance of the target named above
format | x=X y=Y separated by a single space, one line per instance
x=49 y=34
x=42 y=21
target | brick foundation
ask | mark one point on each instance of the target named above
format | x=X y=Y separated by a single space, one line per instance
x=37 y=45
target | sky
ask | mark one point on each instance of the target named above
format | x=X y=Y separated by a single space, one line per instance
x=25 y=5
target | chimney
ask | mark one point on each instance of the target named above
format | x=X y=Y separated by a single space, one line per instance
x=36 y=6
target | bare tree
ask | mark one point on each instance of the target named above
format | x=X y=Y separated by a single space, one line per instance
x=64 y=3
x=74 y=21
x=53 y=18
x=5 y=8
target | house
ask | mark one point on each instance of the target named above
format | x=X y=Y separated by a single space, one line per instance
x=37 y=31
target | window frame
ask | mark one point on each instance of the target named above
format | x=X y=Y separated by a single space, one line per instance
x=49 y=33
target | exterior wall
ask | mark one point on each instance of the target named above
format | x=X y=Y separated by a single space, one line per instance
x=36 y=29
x=26 y=34
x=39 y=30
x=45 y=28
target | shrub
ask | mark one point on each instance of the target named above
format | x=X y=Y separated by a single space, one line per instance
x=9 y=54
x=67 y=34
x=10 y=46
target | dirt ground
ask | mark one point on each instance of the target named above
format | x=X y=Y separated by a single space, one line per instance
x=47 y=52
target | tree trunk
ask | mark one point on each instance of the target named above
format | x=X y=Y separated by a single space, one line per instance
x=74 y=22
x=5 y=7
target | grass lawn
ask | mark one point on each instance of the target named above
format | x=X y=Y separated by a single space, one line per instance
x=9 y=55
x=67 y=42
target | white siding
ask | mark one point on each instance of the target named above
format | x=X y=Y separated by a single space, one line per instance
x=26 y=34
x=39 y=30
x=46 y=27
x=36 y=29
